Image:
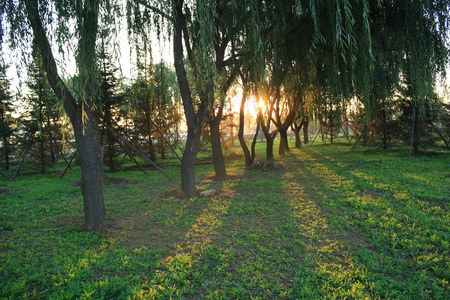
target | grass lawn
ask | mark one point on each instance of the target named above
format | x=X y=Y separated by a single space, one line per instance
x=330 y=223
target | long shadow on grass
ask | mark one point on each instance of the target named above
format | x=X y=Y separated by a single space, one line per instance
x=256 y=251
x=381 y=265
x=331 y=243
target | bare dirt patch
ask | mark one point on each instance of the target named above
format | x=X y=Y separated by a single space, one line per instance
x=120 y=181
x=69 y=221
x=267 y=166
x=114 y=181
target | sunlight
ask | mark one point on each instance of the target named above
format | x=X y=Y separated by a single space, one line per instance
x=235 y=97
x=261 y=104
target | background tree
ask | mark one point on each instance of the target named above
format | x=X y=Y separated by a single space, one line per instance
x=44 y=115
x=6 y=119
x=110 y=97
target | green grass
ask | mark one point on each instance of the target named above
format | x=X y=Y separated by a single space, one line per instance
x=333 y=223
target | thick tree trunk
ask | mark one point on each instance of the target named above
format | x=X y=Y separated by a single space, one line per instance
x=284 y=144
x=218 y=159
x=91 y=169
x=188 y=162
x=296 y=129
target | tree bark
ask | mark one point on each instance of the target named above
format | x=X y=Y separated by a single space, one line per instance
x=6 y=147
x=242 y=125
x=305 y=131
x=416 y=133
x=188 y=162
x=218 y=159
x=255 y=138
x=296 y=129
x=269 y=148
x=42 y=153
x=284 y=144
x=86 y=138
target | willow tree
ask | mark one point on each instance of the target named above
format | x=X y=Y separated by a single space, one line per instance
x=410 y=47
x=203 y=31
x=48 y=23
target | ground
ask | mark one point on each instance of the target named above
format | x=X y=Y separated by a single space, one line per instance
x=325 y=223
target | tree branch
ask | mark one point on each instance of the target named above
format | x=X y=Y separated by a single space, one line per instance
x=41 y=41
x=155 y=9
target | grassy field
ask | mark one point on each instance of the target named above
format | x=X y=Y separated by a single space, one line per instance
x=329 y=223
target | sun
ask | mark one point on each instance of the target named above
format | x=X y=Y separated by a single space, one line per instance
x=261 y=104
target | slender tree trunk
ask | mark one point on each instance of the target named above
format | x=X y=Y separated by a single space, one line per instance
x=161 y=148
x=42 y=153
x=416 y=134
x=366 y=139
x=52 y=150
x=109 y=138
x=255 y=138
x=6 y=148
x=218 y=159
x=331 y=129
x=241 y=128
x=384 y=120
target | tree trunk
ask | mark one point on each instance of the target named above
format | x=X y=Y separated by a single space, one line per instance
x=269 y=148
x=91 y=168
x=255 y=138
x=416 y=133
x=284 y=145
x=194 y=120
x=305 y=131
x=366 y=135
x=52 y=150
x=161 y=148
x=109 y=138
x=218 y=159
x=188 y=162
x=42 y=153
x=331 y=129
x=296 y=129
x=6 y=147
x=241 y=128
